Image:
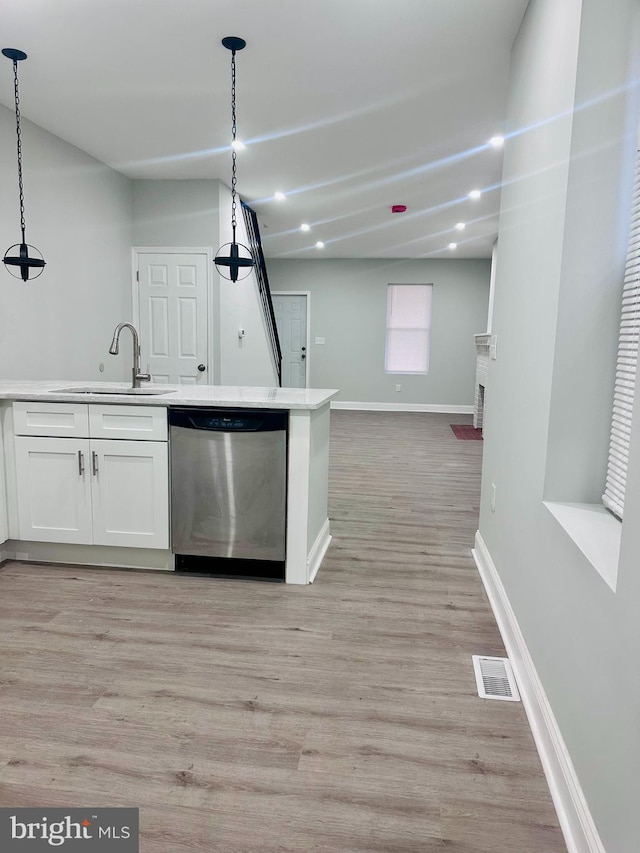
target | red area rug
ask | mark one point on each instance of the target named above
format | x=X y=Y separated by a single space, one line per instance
x=466 y=432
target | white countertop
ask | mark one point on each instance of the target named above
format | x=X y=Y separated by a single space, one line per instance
x=176 y=395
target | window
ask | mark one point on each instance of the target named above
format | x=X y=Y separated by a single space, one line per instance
x=613 y=497
x=408 y=328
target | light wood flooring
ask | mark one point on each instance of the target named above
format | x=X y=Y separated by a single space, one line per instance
x=246 y=717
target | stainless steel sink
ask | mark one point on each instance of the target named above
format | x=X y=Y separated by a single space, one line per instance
x=100 y=389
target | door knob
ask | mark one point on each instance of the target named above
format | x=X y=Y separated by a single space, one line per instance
x=303 y=355
x=304 y=349
x=202 y=368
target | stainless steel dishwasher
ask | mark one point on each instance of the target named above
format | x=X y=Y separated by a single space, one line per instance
x=228 y=491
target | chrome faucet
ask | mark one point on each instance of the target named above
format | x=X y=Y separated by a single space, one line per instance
x=136 y=376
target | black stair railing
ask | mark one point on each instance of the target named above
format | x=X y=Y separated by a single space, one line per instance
x=255 y=244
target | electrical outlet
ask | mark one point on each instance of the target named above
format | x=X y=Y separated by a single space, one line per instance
x=492 y=500
x=398 y=387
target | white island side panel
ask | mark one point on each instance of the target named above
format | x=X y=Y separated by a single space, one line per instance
x=318 y=535
x=307 y=509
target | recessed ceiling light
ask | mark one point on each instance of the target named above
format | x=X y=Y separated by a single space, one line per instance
x=496 y=141
x=474 y=194
x=460 y=226
x=453 y=245
x=319 y=245
x=305 y=227
x=238 y=145
x=279 y=196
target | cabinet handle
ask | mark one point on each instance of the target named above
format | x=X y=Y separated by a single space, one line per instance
x=94 y=462
x=80 y=463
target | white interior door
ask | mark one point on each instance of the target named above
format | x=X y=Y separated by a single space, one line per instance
x=291 y=319
x=173 y=317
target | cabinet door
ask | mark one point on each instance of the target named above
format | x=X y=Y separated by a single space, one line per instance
x=54 y=489
x=65 y=420
x=135 y=423
x=130 y=493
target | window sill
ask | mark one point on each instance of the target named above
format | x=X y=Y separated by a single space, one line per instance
x=596 y=532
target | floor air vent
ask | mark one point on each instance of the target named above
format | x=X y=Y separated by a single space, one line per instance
x=495 y=678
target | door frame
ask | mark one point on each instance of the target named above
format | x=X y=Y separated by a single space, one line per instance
x=213 y=304
x=306 y=293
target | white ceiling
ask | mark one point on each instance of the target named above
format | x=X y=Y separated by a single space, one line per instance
x=349 y=106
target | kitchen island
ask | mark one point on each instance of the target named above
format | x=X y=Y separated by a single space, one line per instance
x=58 y=435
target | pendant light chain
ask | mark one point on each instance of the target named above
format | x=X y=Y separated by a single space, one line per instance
x=19 y=138
x=233 y=145
x=238 y=258
x=24 y=263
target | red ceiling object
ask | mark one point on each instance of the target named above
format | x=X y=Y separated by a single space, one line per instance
x=398 y=208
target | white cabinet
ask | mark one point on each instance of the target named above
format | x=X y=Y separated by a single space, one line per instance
x=130 y=493
x=93 y=490
x=65 y=420
x=139 y=423
x=54 y=494
x=82 y=420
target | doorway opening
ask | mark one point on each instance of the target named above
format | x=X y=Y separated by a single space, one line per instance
x=292 y=315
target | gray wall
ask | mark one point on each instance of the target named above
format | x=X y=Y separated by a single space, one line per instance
x=563 y=231
x=78 y=214
x=175 y=213
x=247 y=360
x=348 y=309
x=596 y=227
x=197 y=214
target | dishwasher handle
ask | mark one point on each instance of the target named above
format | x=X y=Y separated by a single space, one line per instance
x=228 y=420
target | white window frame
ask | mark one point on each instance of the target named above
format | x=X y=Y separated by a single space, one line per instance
x=391 y=327
x=628 y=342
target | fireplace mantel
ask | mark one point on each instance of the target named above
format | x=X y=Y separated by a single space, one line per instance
x=486 y=344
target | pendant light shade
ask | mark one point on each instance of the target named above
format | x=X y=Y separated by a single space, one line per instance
x=22 y=260
x=233 y=258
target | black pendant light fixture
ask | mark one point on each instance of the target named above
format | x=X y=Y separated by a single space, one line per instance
x=233 y=257
x=26 y=262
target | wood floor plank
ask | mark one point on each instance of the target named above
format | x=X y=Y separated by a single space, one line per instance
x=243 y=717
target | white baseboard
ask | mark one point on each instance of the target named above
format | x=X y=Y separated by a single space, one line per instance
x=318 y=550
x=444 y=408
x=580 y=833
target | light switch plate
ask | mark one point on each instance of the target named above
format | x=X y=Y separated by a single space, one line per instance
x=319 y=340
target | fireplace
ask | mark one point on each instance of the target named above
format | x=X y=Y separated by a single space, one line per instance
x=483 y=357
x=478 y=407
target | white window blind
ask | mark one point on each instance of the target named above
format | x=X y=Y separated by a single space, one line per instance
x=613 y=497
x=408 y=328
